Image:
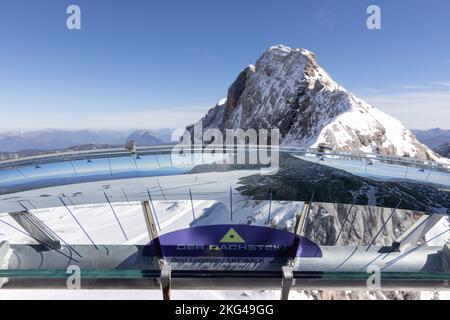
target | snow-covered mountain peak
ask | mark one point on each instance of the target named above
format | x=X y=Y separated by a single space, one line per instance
x=288 y=90
x=280 y=48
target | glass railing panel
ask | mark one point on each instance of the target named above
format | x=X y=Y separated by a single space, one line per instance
x=336 y=214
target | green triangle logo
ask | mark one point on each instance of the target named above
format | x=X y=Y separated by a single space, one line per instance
x=232 y=237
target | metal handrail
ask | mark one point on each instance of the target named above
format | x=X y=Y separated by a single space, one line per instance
x=117 y=152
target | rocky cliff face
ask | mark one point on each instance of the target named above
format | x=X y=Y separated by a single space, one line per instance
x=289 y=91
x=335 y=224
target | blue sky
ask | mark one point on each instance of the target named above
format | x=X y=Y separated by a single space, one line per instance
x=152 y=64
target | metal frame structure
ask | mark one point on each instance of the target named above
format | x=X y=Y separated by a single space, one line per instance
x=403 y=265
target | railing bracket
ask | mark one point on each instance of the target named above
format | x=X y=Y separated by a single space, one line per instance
x=286 y=282
x=166 y=281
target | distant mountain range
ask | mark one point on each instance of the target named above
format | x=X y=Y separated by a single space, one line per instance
x=19 y=144
x=433 y=137
x=144 y=138
x=51 y=139
x=8 y=155
x=12 y=141
x=437 y=139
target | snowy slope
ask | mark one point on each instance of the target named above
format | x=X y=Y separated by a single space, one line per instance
x=288 y=90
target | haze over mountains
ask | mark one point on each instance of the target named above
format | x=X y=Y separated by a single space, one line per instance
x=52 y=139
x=437 y=139
x=287 y=90
x=443 y=149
